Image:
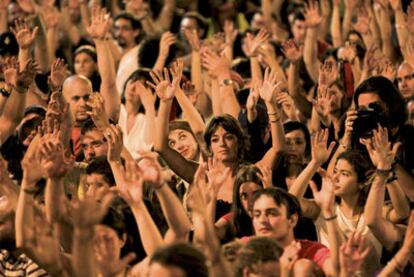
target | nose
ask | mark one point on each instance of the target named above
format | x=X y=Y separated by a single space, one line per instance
x=89 y=153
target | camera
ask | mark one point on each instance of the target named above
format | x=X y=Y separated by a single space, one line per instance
x=368 y=120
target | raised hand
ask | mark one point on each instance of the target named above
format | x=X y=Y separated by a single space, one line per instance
x=23 y=34
x=216 y=176
x=292 y=52
x=312 y=16
x=370 y=59
x=352 y=254
x=363 y=21
x=100 y=23
x=410 y=17
x=191 y=92
x=351 y=115
x=265 y=175
x=320 y=151
x=387 y=69
x=215 y=64
x=193 y=39
x=253 y=43
x=328 y=73
x=379 y=148
x=58 y=74
x=10 y=69
x=395 y=4
x=289 y=257
x=90 y=211
x=28 y=6
x=287 y=104
x=270 y=87
x=167 y=39
x=113 y=135
x=96 y=104
x=50 y=16
x=130 y=188
x=162 y=85
x=26 y=77
x=146 y=96
x=321 y=103
x=151 y=169
x=348 y=53
x=325 y=198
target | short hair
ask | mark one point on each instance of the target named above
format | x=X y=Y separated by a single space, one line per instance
x=389 y=94
x=100 y=165
x=87 y=126
x=135 y=23
x=231 y=125
x=298 y=16
x=281 y=197
x=87 y=49
x=115 y=220
x=184 y=256
x=257 y=251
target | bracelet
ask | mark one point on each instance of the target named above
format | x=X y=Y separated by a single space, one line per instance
x=275 y=121
x=330 y=218
x=226 y=82
x=275 y=113
x=383 y=172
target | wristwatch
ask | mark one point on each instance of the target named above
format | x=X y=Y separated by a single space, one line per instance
x=5 y=92
x=226 y=82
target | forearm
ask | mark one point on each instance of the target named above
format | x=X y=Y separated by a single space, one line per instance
x=336 y=26
x=256 y=70
x=150 y=235
x=346 y=23
x=51 y=37
x=385 y=32
x=82 y=253
x=192 y=115
x=54 y=198
x=397 y=264
x=276 y=127
x=166 y=15
x=3 y=21
x=401 y=28
x=274 y=65
x=173 y=211
x=41 y=51
x=229 y=103
x=300 y=184
x=24 y=215
x=310 y=53
x=108 y=88
x=335 y=240
x=161 y=128
x=400 y=204
x=215 y=97
x=196 y=75
x=406 y=180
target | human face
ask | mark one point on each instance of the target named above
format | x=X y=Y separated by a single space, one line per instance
x=345 y=179
x=95 y=182
x=131 y=94
x=159 y=270
x=77 y=92
x=224 y=145
x=6 y=220
x=124 y=33
x=405 y=79
x=295 y=146
x=246 y=192
x=270 y=219
x=266 y=269
x=299 y=31
x=106 y=242
x=184 y=143
x=335 y=97
x=84 y=65
x=188 y=23
x=94 y=145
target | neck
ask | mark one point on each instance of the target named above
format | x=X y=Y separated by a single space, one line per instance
x=287 y=240
x=349 y=205
x=293 y=169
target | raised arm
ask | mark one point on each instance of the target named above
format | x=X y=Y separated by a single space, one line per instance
x=251 y=49
x=385 y=28
x=310 y=51
x=19 y=82
x=166 y=15
x=219 y=66
x=165 y=91
x=336 y=31
x=167 y=39
x=382 y=156
x=98 y=29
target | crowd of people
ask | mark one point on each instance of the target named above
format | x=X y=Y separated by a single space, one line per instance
x=194 y=138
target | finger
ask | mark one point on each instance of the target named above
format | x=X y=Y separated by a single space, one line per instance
x=313 y=187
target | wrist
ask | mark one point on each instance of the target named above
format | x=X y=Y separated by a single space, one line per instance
x=328 y=214
x=223 y=75
x=84 y=233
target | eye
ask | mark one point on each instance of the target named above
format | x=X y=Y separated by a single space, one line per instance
x=256 y=214
x=182 y=137
x=215 y=139
x=171 y=143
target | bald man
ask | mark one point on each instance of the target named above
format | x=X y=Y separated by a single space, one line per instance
x=76 y=90
x=405 y=79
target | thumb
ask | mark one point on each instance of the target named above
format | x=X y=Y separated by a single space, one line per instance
x=395 y=148
x=313 y=187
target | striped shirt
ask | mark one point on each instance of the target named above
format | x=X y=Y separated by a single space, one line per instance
x=11 y=266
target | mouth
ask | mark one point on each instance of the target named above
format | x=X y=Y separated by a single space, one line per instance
x=184 y=152
x=264 y=230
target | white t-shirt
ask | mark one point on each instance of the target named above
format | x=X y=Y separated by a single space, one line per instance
x=139 y=137
x=346 y=227
x=127 y=65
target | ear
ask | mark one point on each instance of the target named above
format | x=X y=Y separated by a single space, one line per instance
x=123 y=239
x=293 y=220
x=137 y=32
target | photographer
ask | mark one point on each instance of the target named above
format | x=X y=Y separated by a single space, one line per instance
x=378 y=102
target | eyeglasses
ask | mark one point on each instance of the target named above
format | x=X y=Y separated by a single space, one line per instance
x=405 y=78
